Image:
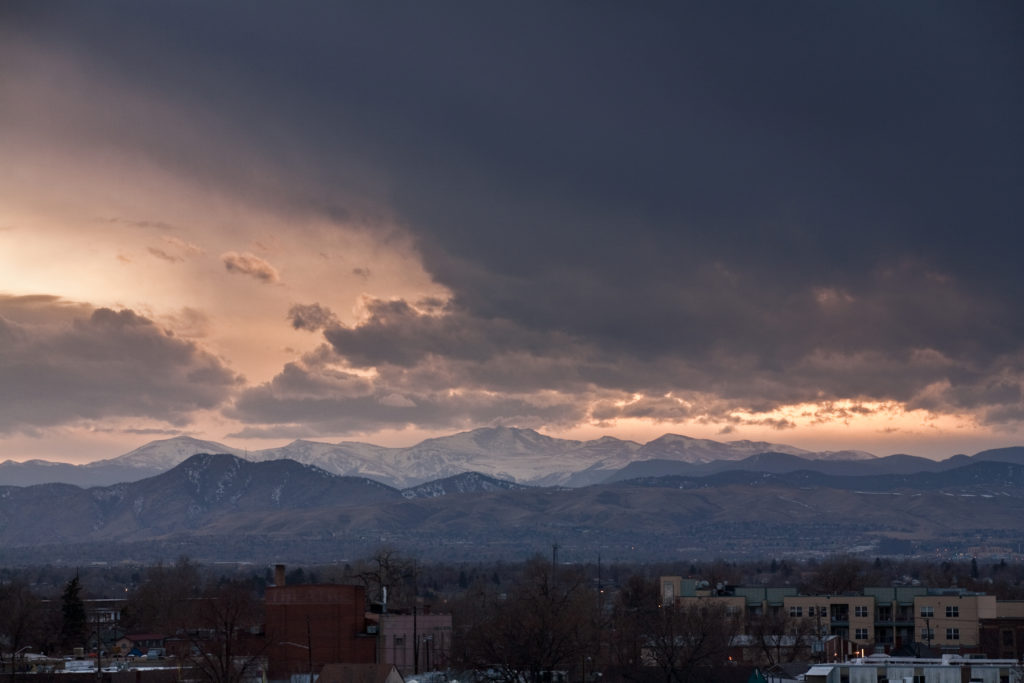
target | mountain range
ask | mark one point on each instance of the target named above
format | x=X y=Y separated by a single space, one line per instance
x=221 y=507
x=519 y=455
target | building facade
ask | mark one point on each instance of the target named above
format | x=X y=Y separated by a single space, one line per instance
x=414 y=642
x=877 y=619
x=947 y=669
x=308 y=626
x=1003 y=636
x=950 y=619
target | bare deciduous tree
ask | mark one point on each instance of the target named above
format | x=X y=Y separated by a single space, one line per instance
x=161 y=602
x=780 y=637
x=389 y=574
x=635 y=607
x=21 y=617
x=546 y=623
x=224 y=636
x=689 y=643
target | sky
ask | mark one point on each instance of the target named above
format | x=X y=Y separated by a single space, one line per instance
x=797 y=222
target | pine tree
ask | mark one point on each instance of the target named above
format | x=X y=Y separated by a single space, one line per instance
x=73 y=621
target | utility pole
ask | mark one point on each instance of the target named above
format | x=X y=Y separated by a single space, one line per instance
x=895 y=604
x=820 y=654
x=99 y=648
x=415 y=644
x=309 y=648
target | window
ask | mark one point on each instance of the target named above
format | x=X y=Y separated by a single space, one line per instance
x=860 y=611
x=927 y=633
x=860 y=634
x=927 y=611
x=796 y=611
x=810 y=611
x=1007 y=638
x=952 y=610
x=952 y=634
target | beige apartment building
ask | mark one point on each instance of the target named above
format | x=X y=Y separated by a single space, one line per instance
x=951 y=619
x=878 y=619
x=849 y=616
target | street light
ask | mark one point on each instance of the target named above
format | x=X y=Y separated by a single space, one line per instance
x=14 y=659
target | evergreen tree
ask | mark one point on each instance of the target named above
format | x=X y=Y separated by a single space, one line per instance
x=73 y=621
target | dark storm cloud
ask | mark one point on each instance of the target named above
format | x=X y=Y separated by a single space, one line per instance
x=310 y=397
x=739 y=202
x=60 y=367
x=398 y=333
x=311 y=317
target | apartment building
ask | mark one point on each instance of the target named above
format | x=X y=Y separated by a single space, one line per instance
x=877 y=619
x=745 y=601
x=851 y=617
x=950 y=619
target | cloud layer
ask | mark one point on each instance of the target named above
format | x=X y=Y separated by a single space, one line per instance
x=673 y=213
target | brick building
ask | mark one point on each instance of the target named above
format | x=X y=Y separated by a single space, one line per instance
x=308 y=626
x=1003 y=636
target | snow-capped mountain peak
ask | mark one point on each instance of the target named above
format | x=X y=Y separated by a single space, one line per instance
x=164 y=454
x=506 y=453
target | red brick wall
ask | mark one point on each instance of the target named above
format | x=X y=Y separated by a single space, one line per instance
x=329 y=618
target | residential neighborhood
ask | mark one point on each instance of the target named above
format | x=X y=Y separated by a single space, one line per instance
x=547 y=623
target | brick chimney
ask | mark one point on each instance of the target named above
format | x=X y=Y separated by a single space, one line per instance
x=278 y=574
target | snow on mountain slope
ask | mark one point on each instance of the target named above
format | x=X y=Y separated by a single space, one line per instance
x=164 y=454
x=688 y=449
x=347 y=458
x=519 y=455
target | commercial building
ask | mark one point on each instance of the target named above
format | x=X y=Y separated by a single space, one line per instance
x=947 y=669
x=414 y=641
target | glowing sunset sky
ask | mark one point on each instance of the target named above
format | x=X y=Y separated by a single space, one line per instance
x=798 y=222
